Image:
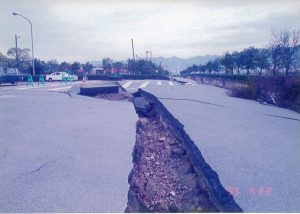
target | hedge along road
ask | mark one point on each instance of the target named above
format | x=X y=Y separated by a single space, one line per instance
x=254 y=148
x=64 y=154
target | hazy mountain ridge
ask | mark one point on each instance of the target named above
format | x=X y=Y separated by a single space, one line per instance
x=176 y=64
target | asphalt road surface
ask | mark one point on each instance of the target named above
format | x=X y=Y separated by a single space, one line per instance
x=83 y=167
x=254 y=148
x=63 y=154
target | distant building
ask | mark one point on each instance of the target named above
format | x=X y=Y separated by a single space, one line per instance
x=97 y=67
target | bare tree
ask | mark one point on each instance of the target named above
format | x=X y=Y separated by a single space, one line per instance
x=275 y=56
x=23 y=54
x=283 y=46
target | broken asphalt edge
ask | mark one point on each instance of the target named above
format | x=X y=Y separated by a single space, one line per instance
x=221 y=198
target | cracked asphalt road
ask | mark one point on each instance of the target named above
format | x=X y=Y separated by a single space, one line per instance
x=64 y=154
x=254 y=148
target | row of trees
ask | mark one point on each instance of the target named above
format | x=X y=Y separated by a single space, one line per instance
x=145 y=67
x=136 y=67
x=23 y=63
x=281 y=55
x=42 y=67
x=110 y=66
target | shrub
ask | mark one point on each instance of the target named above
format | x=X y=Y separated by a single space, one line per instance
x=247 y=92
x=277 y=90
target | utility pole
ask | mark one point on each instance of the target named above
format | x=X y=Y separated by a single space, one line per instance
x=147 y=55
x=17 y=54
x=32 y=55
x=132 y=49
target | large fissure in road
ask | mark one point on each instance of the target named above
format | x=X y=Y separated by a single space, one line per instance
x=169 y=173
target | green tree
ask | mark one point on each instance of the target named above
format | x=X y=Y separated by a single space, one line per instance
x=146 y=67
x=216 y=65
x=262 y=60
x=143 y=67
x=53 y=65
x=132 y=66
x=228 y=62
x=238 y=61
x=64 y=66
x=75 y=67
x=87 y=67
x=107 y=64
x=248 y=57
x=210 y=66
x=195 y=68
x=202 y=68
x=118 y=66
x=38 y=66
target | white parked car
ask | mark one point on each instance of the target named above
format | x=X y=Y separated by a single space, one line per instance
x=57 y=76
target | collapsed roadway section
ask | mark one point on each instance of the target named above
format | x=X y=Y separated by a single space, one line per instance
x=169 y=173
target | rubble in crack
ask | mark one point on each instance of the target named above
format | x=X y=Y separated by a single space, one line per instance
x=165 y=178
x=121 y=96
x=106 y=90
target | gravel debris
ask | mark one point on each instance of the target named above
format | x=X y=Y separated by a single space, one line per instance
x=163 y=178
x=121 y=96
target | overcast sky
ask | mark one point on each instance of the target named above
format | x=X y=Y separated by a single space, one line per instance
x=86 y=30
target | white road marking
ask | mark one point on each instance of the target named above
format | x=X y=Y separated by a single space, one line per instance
x=61 y=88
x=159 y=83
x=144 y=84
x=171 y=83
x=127 y=84
x=128 y=89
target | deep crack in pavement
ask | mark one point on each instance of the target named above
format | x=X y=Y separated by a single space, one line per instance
x=169 y=172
